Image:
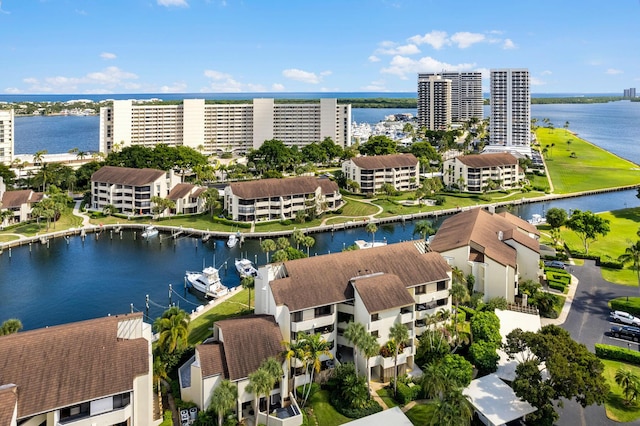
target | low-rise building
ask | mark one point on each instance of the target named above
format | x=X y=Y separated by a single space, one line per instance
x=499 y=250
x=377 y=287
x=20 y=202
x=482 y=172
x=372 y=172
x=187 y=198
x=130 y=190
x=95 y=372
x=281 y=199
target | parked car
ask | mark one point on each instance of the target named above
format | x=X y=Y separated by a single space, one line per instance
x=554 y=264
x=624 y=318
x=626 y=332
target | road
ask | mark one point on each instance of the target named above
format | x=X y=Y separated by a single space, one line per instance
x=587 y=322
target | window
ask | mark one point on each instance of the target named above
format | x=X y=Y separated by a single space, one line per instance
x=442 y=285
x=375 y=317
x=322 y=311
x=122 y=400
x=75 y=411
x=375 y=333
x=421 y=289
x=297 y=316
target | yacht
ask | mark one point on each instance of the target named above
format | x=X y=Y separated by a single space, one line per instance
x=233 y=240
x=245 y=268
x=207 y=282
x=149 y=232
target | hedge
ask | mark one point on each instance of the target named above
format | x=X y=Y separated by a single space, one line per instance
x=469 y=312
x=231 y=222
x=372 y=407
x=406 y=394
x=613 y=264
x=626 y=304
x=553 y=276
x=556 y=285
x=617 y=353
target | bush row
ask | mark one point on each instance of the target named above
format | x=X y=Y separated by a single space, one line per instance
x=616 y=353
x=371 y=407
x=231 y=222
x=622 y=304
x=557 y=285
x=406 y=394
x=554 y=276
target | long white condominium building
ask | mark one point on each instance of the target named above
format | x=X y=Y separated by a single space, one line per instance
x=510 y=124
x=434 y=102
x=6 y=136
x=213 y=128
x=466 y=94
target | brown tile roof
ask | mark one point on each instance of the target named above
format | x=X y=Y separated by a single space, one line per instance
x=181 y=190
x=275 y=187
x=248 y=341
x=482 y=230
x=523 y=239
x=198 y=192
x=18 y=198
x=8 y=399
x=381 y=292
x=126 y=175
x=488 y=160
x=520 y=223
x=385 y=161
x=328 y=186
x=211 y=357
x=63 y=365
x=324 y=280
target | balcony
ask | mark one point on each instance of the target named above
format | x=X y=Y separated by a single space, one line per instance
x=313 y=323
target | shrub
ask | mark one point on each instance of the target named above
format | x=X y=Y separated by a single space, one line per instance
x=556 y=285
x=626 y=304
x=611 y=264
x=469 y=312
x=405 y=393
x=315 y=387
x=440 y=200
x=485 y=356
x=617 y=354
x=486 y=326
x=285 y=222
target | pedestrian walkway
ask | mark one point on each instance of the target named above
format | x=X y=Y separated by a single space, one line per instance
x=85 y=217
x=567 y=301
x=374 y=387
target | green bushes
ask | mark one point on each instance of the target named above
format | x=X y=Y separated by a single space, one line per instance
x=485 y=356
x=231 y=223
x=556 y=285
x=626 y=304
x=617 y=354
x=407 y=393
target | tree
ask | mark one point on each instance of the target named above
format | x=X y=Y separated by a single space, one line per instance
x=10 y=326
x=313 y=348
x=109 y=209
x=308 y=241
x=297 y=236
x=588 y=226
x=424 y=228
x=38 y=157
x=371 y=228
x=378 y=145
x=210 y=196
x=632 y=255
x=248 y=282
x=282 y=243
x=485 y=326
x=459 y=294
x=355 y=333
x=280 y=256
x=629 y=383
x=267 y=246
x=453 y=408
x=260 y=383
x=556 y=217
x=160 y=205
x=485 y=356
x=292 y=351
x=399 y=335
x=370 y=348
x=223 y=399
x=173 y=329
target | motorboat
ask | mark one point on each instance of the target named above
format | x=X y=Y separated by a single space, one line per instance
x=207 y=282
x=149 y=232
x=245 y=268
x=537 y=219
x=362 y=244
x=233 y=240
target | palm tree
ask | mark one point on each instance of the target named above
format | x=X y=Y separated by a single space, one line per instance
x=172 y=328
x=371 y=228
x=267 y=246
x=632 y=254
x=308 y=242
x=424 y=228
x=355 y=333
x=223 y=399
x=370 y=348
x=629 y=383
x=159 y=374
x=292 y=351
x=458 y=293
x=399 y=334
x=39 y=156
x=298 y=237
x=5 y=215
x=314 y=347
x=10 y=326
x=452 y=409
x=109 y=209
x=247 y=282
x=260 y=383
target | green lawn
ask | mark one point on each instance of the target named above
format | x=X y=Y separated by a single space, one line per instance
x=387 y=396
x=605 y=170
x=236 y=305
x=323 y=411
x=421 y=414
x=614 y=406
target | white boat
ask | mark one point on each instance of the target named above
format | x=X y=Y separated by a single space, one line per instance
x=362 y=244
x=245 y=268
x=207 y=282
x=537 y=219
x=149 y=232
x=233 y=240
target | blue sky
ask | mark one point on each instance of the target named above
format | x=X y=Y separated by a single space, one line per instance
x=191 y=46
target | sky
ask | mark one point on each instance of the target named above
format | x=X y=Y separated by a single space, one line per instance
x=216 y=46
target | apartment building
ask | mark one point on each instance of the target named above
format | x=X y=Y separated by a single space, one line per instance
x=281 y=199
x=130 y=190
x=20 y=202
x=95 y=372
x=372 y=172
x=378 y=287
x=482 y=172
x=510 y=126
x=217 y=127
x=187 y=198
x=7 y=133
x=499 y=250
x=434 y=102
x=466 y=94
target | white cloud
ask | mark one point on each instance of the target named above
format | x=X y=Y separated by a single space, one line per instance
x=300 y=75
x=326 y=73
x=508 y=44
x=407 y=49
x=2 y=10
x=104 y=81
x=436 y=39
x=613 y=71
x=12 y=90
x=375 y=86
x=110 y=76
x=223 y=82
x=174 y=88
x=403 y=66
x=179 y=3
x=535 y=81
x=277 y=87
x=107 y=55
x=374 y=58
x=466 y=39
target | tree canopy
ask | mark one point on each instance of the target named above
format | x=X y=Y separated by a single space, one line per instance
x=556 y=217
x=588 y=226
x=161 y=157
x=378 y=145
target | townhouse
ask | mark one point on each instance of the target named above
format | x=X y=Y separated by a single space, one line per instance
x=482 y=172
x=95 y=372
x=187 y=198
x=371 y=172
x=20 y=202
x=499 y=250
x=379 y=287
x=281 y=199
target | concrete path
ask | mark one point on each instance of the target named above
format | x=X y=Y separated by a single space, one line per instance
x=567 y=301
x=85 y=218
x=374 y=387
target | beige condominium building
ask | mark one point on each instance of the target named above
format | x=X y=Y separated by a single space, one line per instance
x=434 y=102
x=372 y=172
x=466 y=94
x=6 y=136
x=482 y=172
x=510 y=126
x=217 y=127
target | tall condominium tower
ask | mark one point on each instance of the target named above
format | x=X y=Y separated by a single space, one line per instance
x=6 y=136
x=434 y=102
x=213 y=128
x=510 y=124
x=466 y=94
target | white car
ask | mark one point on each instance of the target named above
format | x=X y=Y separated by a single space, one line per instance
x=624 y=318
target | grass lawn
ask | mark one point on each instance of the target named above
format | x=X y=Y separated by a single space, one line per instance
x=7 y=238
x=605 y=170
x=323 y=412
x=236 y=305
x=387 y=396
x=421 y=414
x=614 y=406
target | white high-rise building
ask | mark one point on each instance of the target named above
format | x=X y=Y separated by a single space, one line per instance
x=6 y=136
x=510 y=126
x=220 y=127
x=434 y=102
x=466 y=94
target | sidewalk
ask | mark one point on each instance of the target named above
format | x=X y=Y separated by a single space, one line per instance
x=85 y=218
x=567 y=302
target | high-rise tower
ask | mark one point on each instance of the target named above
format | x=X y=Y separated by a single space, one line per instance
x=510 y=124
x=434 y=102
